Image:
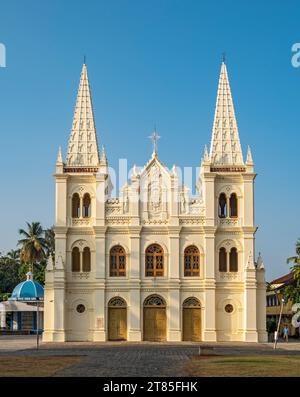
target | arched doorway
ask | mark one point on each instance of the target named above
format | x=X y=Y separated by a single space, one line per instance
x=155 y=319
x=117 y=319
x=191 y=319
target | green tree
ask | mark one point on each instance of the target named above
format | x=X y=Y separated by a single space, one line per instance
x=9 y=273
x=33 y=244
x=292 y=291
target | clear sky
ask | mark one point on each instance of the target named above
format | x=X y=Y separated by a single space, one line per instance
x=150 y=62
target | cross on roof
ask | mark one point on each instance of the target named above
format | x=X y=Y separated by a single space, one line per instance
x=154 y=137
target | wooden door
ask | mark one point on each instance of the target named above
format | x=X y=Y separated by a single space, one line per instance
x=192 y=324
x=155 y=327
x=117 y=323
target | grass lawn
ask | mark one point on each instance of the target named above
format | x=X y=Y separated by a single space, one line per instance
x=261 y=365
x=35 y=365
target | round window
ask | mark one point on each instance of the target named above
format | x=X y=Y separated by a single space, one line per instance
x=229 y=308
x=80 y=308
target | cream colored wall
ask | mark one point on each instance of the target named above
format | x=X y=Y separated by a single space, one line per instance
x=65 y=290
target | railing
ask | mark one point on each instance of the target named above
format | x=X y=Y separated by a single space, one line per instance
x=229 y=222
x=82 y=221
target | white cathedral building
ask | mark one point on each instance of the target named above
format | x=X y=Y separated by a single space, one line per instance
x=154 y=263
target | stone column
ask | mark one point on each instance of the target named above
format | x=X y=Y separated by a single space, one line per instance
x=174 y=307
x=174 y=310
x=99 y=334
x=58 y=333
x=55 y=293
x=174 y=253
x=250 y=286
x=100 y=321
x=3 y=319
x=134 y=308
x=134 y=315
x=209 y=321
x=15 y=320
x=261 y=306
x=61 y=199
x=250 y=306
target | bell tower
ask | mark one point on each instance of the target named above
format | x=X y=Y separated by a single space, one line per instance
x=236 y=282
x=82 y=186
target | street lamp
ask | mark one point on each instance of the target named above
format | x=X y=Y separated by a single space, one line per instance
x=37 y=323
x=282 y=300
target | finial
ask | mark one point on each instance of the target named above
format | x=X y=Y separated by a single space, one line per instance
x=206 y=157
x=154 y=137
x=134 y=170
x=29 y=275
x=59 y=156
x=174 y=170
x=260 y=262
x=249 y=160
x=223 y=57
x=84 y=59
x=103 y=158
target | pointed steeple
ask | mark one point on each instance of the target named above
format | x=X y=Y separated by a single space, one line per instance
x=83 y=146
x=225 y=146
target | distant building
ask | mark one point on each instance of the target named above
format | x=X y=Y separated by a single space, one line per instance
x=20 y=313
x=273 y=304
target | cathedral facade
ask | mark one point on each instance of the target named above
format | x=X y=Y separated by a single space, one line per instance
x=154 y=263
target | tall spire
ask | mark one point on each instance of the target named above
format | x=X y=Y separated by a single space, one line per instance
x=83 y=146
x=225 y=146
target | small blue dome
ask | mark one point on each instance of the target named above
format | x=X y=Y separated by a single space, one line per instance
x=28 y=290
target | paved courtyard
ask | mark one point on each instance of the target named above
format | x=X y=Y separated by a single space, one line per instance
x=132 y=359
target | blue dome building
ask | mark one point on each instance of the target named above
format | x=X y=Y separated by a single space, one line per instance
x=28 y=290
x=23 y=312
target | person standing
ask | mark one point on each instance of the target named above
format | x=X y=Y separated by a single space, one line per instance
x=286 y=333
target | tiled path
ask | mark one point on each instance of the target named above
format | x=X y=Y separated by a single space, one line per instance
x=132 y=359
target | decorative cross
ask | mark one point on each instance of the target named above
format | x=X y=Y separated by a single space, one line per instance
x=154 y=137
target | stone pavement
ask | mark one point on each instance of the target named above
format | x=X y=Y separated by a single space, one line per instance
x=134 y=359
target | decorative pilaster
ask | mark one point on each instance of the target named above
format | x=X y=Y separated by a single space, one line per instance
x=209 y=332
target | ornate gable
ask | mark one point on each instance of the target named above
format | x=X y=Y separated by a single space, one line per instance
x=155 y=190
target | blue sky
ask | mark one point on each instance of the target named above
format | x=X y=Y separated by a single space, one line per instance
x=150 y=62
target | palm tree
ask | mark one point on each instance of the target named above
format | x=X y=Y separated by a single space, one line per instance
x=13 y=256
x=295 y=260
x=33 y=244
x=292 y=291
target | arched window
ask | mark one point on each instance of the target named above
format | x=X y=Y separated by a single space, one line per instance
x=75 y=206
x=222 y=260
x=191 y=261
x=222 y=206
x=233 y=260
x=117 y=261
x=233 y=206
x=86 y=260
x=75 y=260
x=154 y=261
x=86 y=206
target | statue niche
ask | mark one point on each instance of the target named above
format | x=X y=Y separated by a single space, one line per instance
x=154 y=191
